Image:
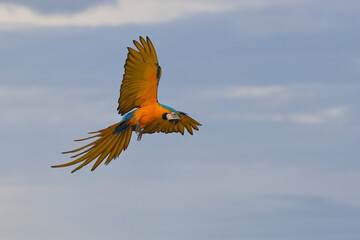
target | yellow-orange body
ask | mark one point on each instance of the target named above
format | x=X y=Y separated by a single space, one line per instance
x=147 y=114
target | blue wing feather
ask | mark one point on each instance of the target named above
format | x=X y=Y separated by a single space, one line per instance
x=123 y=125
x=172 y=109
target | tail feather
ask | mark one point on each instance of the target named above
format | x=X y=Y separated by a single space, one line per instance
x=127 y=142
x=78 y=140
x=110 y=144
x=94 y=153
x=89 y=149
x=112 y=153
x=78 y=149
x=104 y=153
x=122 y=144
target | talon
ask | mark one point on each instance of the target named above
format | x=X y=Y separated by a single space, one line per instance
x=139 y=136
x=137 y=128
x=138 y=131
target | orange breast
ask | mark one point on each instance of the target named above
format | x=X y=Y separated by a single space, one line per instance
x=146 y=114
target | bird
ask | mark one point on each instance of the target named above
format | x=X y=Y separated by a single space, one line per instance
x=140 y=110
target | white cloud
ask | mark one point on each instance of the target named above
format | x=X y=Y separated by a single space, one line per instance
x=273 y=104
x=183 y=189
x=246 y=92
x=43 y=105
x=121 y=12
x=330 y=115
x=269 y=93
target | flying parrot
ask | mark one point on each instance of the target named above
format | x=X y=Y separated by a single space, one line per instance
x=139 y=106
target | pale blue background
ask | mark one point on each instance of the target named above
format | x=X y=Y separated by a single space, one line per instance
x=276 y=87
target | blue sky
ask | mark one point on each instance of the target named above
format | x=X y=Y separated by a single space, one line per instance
x=274 y=83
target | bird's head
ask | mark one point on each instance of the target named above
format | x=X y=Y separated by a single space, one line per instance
x=172 y=117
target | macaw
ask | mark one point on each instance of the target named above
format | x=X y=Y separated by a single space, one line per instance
x=139 y=106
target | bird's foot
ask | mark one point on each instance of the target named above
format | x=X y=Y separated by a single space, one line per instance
x=139 y=136
x=138 y=131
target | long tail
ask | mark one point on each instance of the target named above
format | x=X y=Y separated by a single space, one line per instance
x=111 y=142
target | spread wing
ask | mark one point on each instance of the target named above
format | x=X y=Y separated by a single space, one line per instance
x=141 y=77
x=161 y=125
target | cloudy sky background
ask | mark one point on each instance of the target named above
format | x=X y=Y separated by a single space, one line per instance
x=275 y=84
